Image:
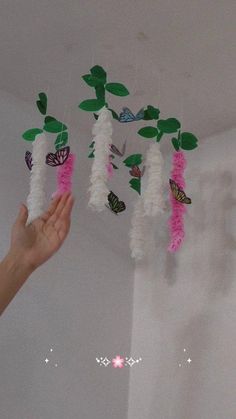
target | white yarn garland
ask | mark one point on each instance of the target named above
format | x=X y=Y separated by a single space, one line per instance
x=138 y=231
x=153 y=197
x=37 y=197
x=102 y=131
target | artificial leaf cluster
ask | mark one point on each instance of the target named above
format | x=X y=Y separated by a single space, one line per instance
x=98 y=80
x=50 y=125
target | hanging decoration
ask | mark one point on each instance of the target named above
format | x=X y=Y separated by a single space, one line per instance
x=36 y=197
x=151 y=198
x=106 y=159
x=102 y=167
x=177 y=200
x=64 y=175
x=39 y=158
x=138 y=232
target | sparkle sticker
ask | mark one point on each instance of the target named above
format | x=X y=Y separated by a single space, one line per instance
x=118 y=361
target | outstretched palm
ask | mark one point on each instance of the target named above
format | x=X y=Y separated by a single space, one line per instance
x=39 y=240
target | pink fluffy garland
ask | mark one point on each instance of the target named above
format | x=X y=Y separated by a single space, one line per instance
x=176 y=222
x=64 y=176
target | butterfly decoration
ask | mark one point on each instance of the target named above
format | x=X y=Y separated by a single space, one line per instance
x=58 y=158
x=115 y=150
x=115 y=205
x=178 y=193
x=136 y=172
x=127 y=116
x=52 y=159
x=28 y=159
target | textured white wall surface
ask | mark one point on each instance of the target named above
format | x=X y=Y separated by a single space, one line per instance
x=185 y=304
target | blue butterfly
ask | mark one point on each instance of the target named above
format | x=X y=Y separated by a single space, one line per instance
x=127 y=116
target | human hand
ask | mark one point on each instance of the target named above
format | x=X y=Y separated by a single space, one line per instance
x=35 y=243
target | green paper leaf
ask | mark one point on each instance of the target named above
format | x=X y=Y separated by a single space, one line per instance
x=43 y=98
x=148 y=132
x=41 y=108
x=114 y=114
x=151 y=113
x=91 y=155
x=100 y=92
x=42 y=103
x=49 y=119
x=169 y=125
x=54 y=126
x=92 y=144
x=92 y=105
x=135 y=184
x=188 y=141
x=98 y=72
x=117 y=89
x=175 y=143
x=61 y=140
x=133 y=160
x=30 y=134
x=91 y=80
x=159 y=135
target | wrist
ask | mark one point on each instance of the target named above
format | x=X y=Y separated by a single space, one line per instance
x=18 y=261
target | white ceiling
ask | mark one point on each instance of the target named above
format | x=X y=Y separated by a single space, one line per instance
x=178 y=55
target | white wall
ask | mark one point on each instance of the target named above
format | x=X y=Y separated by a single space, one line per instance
x=79 y=303
x=188 y=301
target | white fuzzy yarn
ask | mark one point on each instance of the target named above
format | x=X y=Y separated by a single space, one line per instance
x=153 y=197
x=36 y=198
x=102 y=131
x=138 y=232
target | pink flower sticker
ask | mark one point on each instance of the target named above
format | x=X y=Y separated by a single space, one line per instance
x=118 y=362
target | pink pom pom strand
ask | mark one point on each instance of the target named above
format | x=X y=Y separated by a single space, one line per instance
x=64 y=176
x=176 y=222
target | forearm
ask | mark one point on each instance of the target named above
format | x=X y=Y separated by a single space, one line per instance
x=13 y=273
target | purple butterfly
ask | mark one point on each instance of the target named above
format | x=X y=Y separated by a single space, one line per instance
x=28 y=159
x=58 y=158
x=115 y=150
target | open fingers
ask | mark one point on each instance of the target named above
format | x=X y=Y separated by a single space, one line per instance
x=58 y=209
x=51 y=209
x=62 y=223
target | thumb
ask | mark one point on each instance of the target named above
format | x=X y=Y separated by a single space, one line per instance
x=22 y=215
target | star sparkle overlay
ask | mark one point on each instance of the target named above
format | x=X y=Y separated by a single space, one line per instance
x=47 y=360
x=118 y=361
x=189 y=360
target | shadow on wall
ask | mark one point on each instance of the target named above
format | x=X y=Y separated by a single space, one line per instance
x=210 y=243
x=212 y=232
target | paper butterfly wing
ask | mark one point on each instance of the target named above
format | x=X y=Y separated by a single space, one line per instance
x=178 y=193
x=28 y=159
x=115 y=204
x=126 y=115
x=116 y=151
x=58 y=158
x=135 y=171
x=140 y=114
